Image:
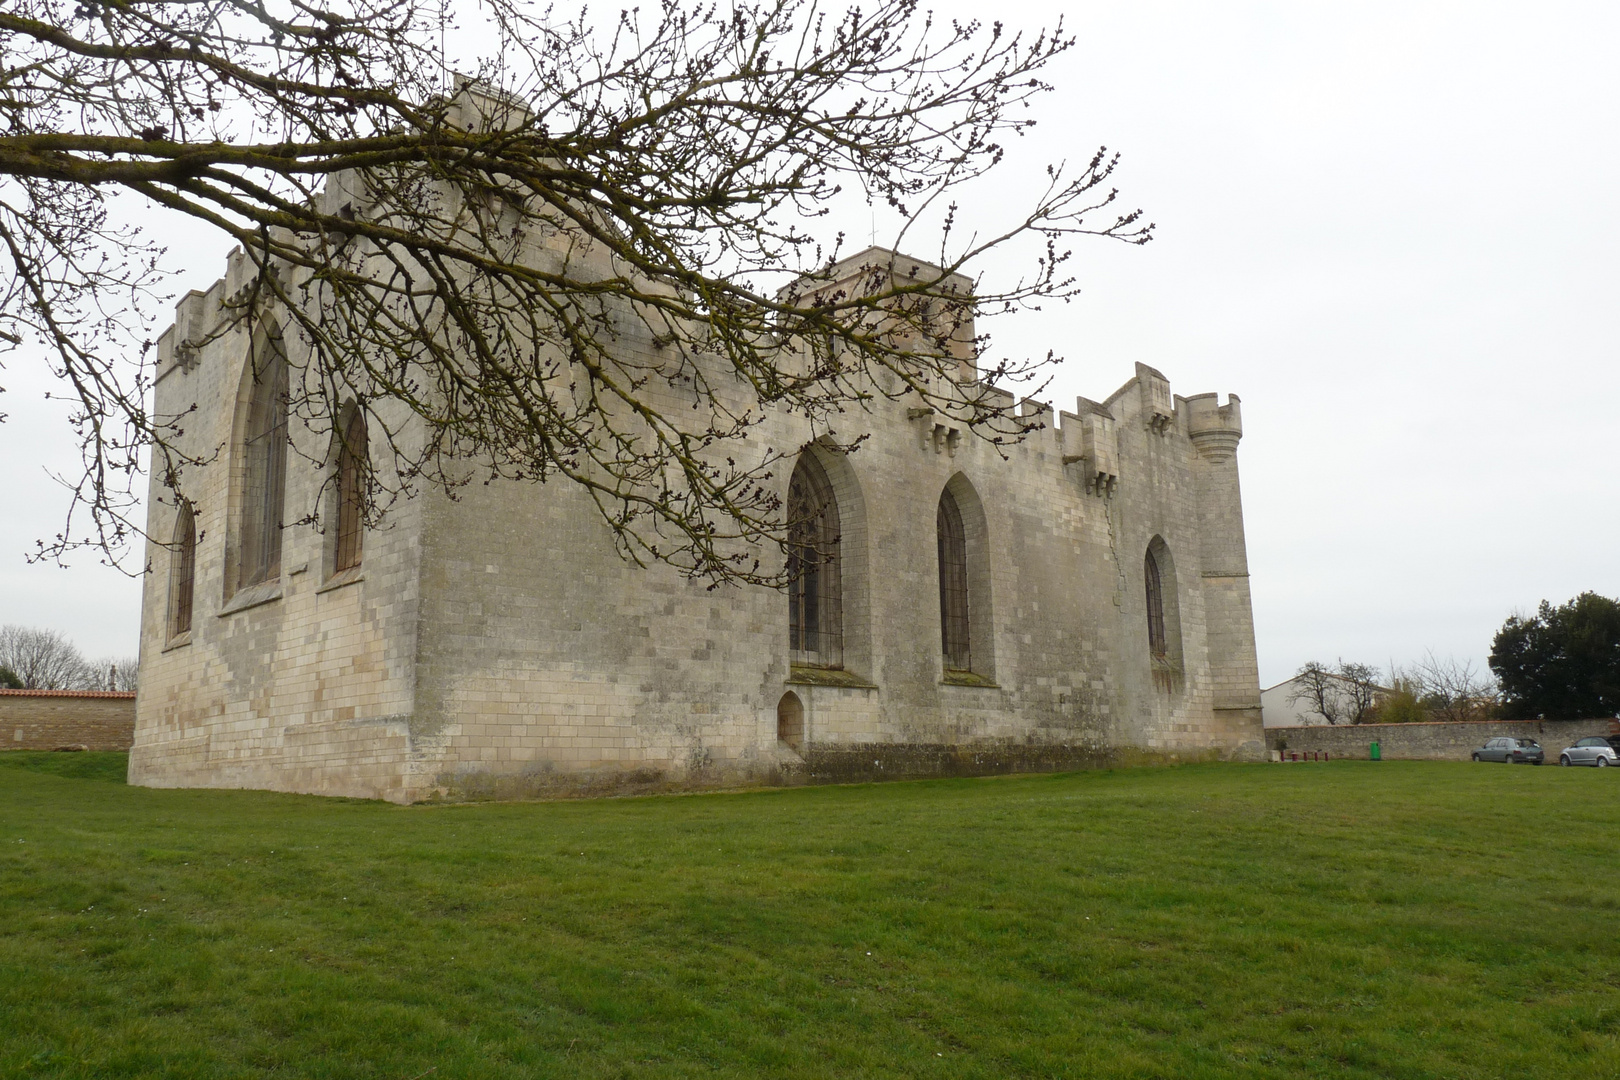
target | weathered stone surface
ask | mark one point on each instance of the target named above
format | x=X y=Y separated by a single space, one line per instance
x=496 y=646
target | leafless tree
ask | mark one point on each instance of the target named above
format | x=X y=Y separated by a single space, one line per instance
x=470 y=254
x=1453 y=689
x=1318 y=688
x=1360 y=688
x=42 y=659
x=1346 y=694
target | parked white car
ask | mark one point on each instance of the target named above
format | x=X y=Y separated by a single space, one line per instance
x=1595 y=750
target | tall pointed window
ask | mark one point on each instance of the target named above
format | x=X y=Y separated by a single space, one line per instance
x=264 y=453
x=953 y=585
x=815 y=597
x=182 y=570
x=1158 y=642
x=351 y=492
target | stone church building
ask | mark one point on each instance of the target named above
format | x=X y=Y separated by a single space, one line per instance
x=1081 y=597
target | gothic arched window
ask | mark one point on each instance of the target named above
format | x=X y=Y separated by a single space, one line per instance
x=351 y=493
x=815 y=597
x=182 y=570
x=953 y=585
x=264 y=458
x=1158 y=643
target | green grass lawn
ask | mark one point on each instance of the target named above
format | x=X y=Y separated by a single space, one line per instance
x=1399 y=919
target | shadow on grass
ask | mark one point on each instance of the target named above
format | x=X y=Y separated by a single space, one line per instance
x=111 y=768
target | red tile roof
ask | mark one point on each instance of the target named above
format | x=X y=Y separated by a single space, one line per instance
x=69 y=693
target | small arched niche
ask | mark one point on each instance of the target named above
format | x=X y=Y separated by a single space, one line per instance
x=790 y=722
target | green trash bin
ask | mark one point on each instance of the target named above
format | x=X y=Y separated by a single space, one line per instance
x=1372 y=749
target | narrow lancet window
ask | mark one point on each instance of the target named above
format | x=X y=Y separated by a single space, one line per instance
x=1157 y=642
x=815 y=601
x=182 y=570
x=264 y=452
x=953 y=585
x=351 y=485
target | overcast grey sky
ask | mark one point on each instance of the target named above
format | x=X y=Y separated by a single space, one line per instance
x=1391 y=229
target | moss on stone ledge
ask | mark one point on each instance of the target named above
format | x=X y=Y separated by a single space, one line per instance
x=967 y=678
x=805 y=675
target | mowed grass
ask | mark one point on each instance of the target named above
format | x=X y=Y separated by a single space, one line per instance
x=1350 y=919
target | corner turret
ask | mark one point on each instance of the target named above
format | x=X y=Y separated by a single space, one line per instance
x=1215 y=430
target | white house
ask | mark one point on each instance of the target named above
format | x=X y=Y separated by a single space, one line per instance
x=1289 y=704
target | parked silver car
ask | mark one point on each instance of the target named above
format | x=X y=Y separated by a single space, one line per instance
x=1594 y=750
x=1511 y=750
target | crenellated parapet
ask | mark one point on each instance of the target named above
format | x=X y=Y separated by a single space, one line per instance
x=1089 y=439
x=199 y=314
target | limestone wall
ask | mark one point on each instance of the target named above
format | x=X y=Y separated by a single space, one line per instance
x=300 y=684
x=54 y=719
x=1432 y=742
x=548 y=664
x=497 y=643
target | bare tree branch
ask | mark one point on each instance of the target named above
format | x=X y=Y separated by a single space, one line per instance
x=1317 y=688
x=42 y=659
x=1452 y=689
x=484 y=250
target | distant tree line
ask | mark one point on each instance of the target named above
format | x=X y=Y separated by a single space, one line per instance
x=1562 y=663
x=33 y=659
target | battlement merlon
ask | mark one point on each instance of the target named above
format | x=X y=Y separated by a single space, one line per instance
x=1157 y=404
x=878 y=268
x=1090 y=439
x=478 y=106
x=1214 y=429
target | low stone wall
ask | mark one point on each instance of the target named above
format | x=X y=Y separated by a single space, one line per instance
x=60 y=719
x=1430 y=742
